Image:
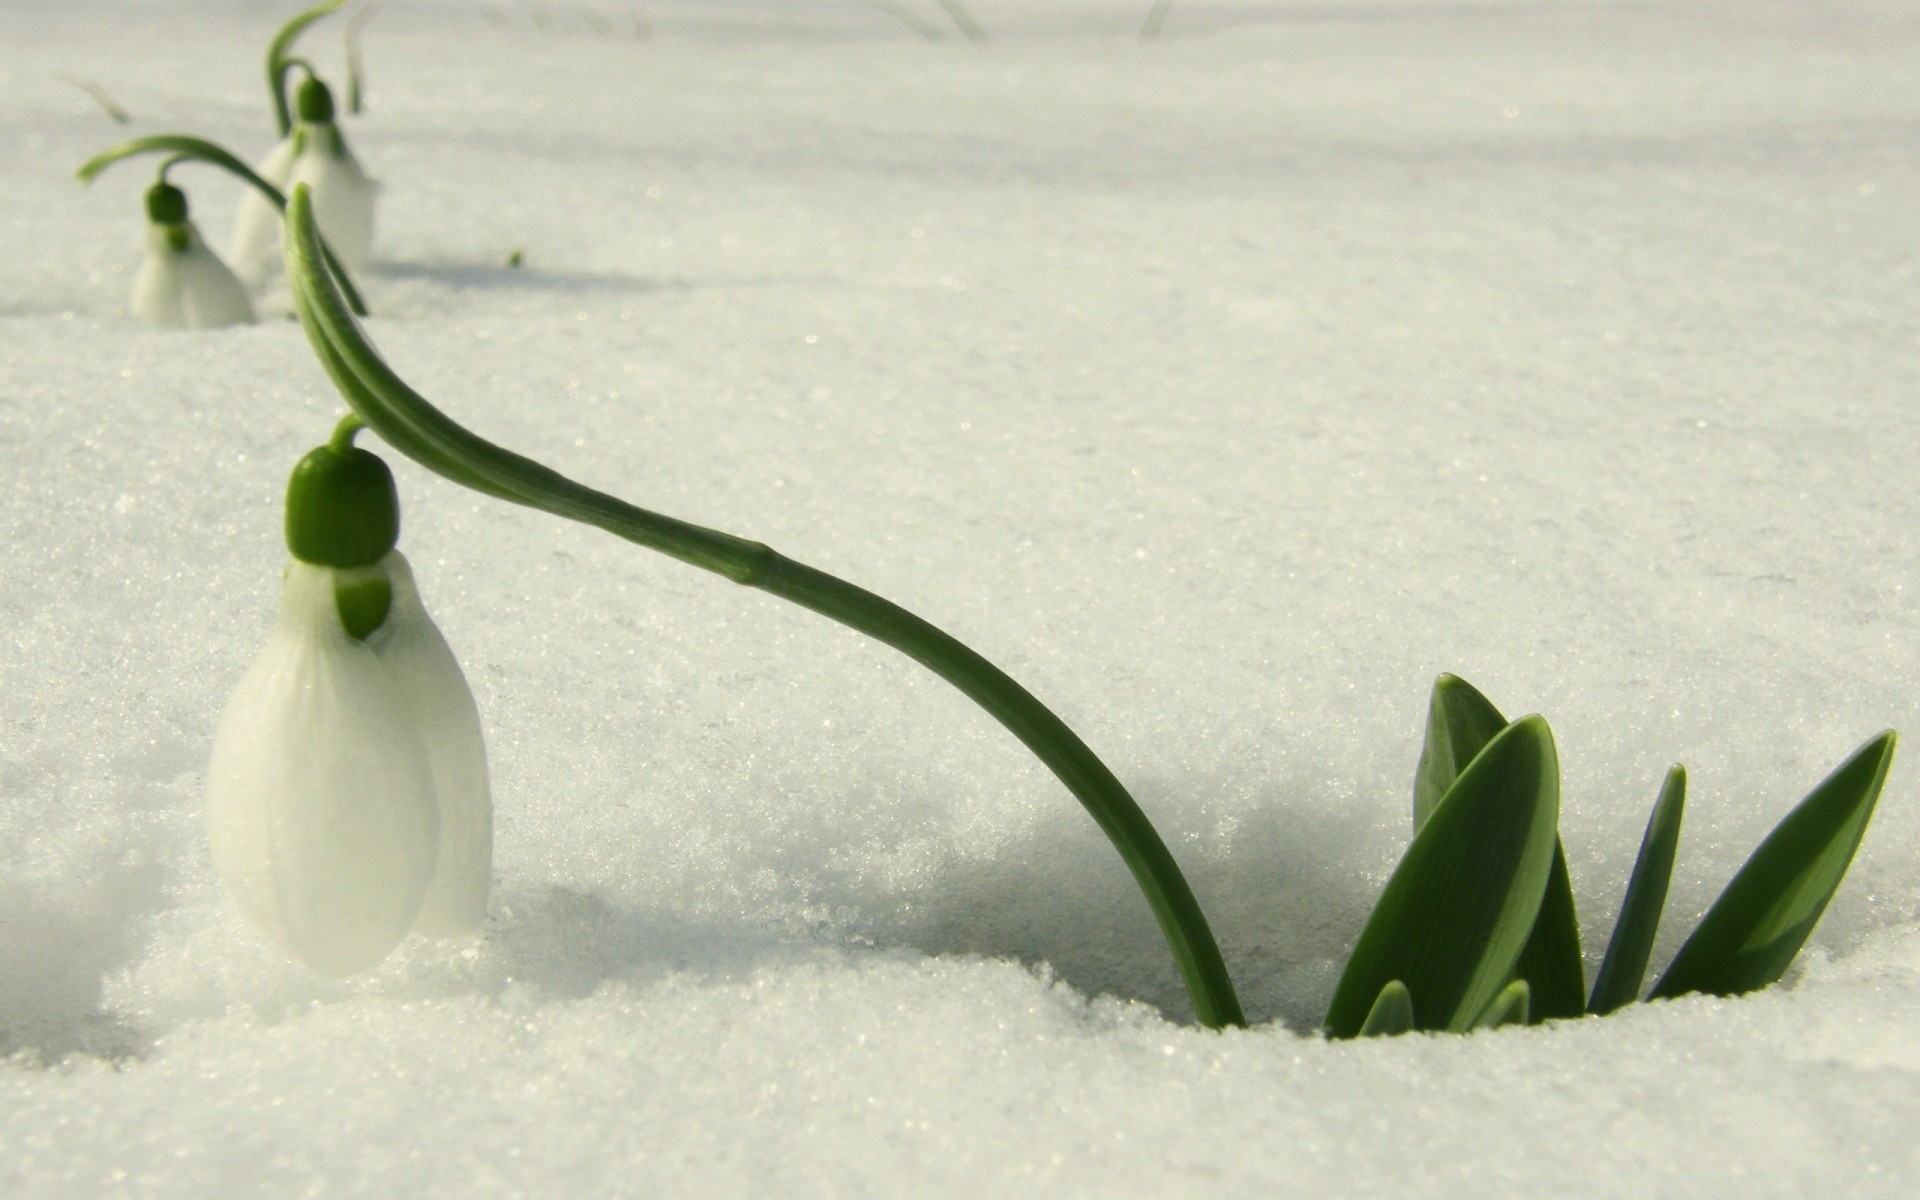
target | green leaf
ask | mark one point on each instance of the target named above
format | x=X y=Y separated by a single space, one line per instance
x=1460 y=721
x=1510 y=1007
x=1550 y=961
x=1391 y=1014
x=1750 y=935
x=1460 y=905
x=1625 y=967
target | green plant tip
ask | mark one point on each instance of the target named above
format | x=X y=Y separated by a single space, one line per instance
x=1625 y=966
x=1750 y=936
x=1452 y=920
x=314 y=102
x=342 y=509
x=1391 y=1014
x=1511 y=1007
x=166 y=204
x=1460 y=722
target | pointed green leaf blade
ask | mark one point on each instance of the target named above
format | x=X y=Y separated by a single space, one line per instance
x=1460 y=905
x=1391 y=1014
x=1625 y=967
x=1460 y=722
x=1752 y=932
x=1550 y=962
x=1510 y=1007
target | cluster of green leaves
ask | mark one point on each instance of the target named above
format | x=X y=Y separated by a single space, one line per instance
x=1476 y=927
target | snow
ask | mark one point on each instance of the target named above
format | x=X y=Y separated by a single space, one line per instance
x=1224 y=390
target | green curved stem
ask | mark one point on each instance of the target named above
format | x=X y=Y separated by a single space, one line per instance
x=963 y=20
x=99 y=96
x=344 y=431
x=1156 y=17
x=420 y=431
x=279 y=62
x=356 y=75
x=183 y=148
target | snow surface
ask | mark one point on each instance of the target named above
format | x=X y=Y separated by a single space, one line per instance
x=1224 y=390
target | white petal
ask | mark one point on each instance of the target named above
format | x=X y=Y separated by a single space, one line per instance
x=157 y=298
x=428 y=676
x=214 y=295
x=255 y=250
x=342 y=197
x=187 y=289
x=320 y=800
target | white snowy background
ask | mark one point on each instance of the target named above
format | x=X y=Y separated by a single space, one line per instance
x=1224 y=389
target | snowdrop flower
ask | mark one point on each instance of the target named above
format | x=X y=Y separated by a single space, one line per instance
x=347 y=798
x=315 y=154
x=182 y=284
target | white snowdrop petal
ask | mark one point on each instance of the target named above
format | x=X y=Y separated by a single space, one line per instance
x=429 y=678
x=187 y=288
x=342 y=199
x=157 y=297
x=212 y=295
x=320 y=802
x=255 y=249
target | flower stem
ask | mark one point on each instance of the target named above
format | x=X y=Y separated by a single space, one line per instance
x=417 y=429
x=183 y=148
x=344 y=431
x=355 y=74
x=1056 y=745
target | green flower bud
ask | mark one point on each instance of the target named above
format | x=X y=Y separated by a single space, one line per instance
x=343 y=512
x=314 y=102
x=166 y=204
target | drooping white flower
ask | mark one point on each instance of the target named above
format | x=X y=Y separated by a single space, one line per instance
x=315 y=154
x=347 y=800
x=181 y=284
